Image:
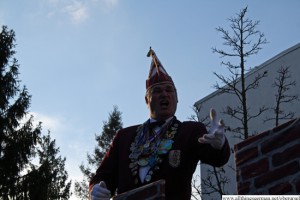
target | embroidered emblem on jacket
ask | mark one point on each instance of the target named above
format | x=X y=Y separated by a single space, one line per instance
x=174 y=158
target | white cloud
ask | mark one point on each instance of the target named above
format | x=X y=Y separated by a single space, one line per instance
x=48 y=122
x=111 y=3
x=77 y=11
x=53 y=2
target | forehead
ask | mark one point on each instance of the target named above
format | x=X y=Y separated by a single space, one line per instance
x=163 y=86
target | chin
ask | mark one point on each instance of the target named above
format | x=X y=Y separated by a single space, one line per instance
x=166 y=116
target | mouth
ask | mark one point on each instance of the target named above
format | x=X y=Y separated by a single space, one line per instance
x=164 y=103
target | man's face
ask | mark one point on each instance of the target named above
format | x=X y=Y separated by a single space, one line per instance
x=162 y=101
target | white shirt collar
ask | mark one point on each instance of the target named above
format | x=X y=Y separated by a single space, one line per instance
x=154 y=120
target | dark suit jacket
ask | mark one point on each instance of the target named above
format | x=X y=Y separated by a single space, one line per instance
x=115 y=171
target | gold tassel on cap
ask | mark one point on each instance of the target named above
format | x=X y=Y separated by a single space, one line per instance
x=151 y=53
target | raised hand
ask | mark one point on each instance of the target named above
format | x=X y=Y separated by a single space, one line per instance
x=216 y=133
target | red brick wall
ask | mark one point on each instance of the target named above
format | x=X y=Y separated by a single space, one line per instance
x=269 y=163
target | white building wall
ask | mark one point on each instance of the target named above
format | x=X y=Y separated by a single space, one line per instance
x=263 y=95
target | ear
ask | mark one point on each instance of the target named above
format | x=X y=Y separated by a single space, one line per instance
x=146 y=99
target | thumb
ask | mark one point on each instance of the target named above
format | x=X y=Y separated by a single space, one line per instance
x=103 y=184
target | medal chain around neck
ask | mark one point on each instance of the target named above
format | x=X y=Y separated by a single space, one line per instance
x=152 y=134
x=143 y=154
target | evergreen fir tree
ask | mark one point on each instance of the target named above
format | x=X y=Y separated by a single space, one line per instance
x=104 y=140
x=48 y=180
x=17 y=139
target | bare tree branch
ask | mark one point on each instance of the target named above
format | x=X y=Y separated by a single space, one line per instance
x=283 y=85
x=244 y=40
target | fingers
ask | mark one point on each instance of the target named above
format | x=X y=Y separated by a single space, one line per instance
x=103 y=189
x=102 y=184
x=214 y=125
x=213 y=114
x=213 y=122
x=100 y=192
x=206 y=139
x=216 y=140
x=209 y=138
x=213 y=118
x=215 y=136
x=221 y=123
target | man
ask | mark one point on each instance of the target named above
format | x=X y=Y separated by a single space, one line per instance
x=160 y=148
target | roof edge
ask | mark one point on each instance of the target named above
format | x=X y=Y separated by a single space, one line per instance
x=255 y=69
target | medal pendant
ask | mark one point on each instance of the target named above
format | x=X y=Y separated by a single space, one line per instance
x=136 y=181
x=134 y=173
x=148 y=178
x=132 y=165
x=147 y=144
x=142 y=162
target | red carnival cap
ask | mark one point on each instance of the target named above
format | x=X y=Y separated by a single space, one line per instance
x=157 y=73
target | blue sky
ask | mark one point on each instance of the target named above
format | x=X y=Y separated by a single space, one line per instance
x=79 y=58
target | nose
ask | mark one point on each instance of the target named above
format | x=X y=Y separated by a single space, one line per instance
x=164 y=93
